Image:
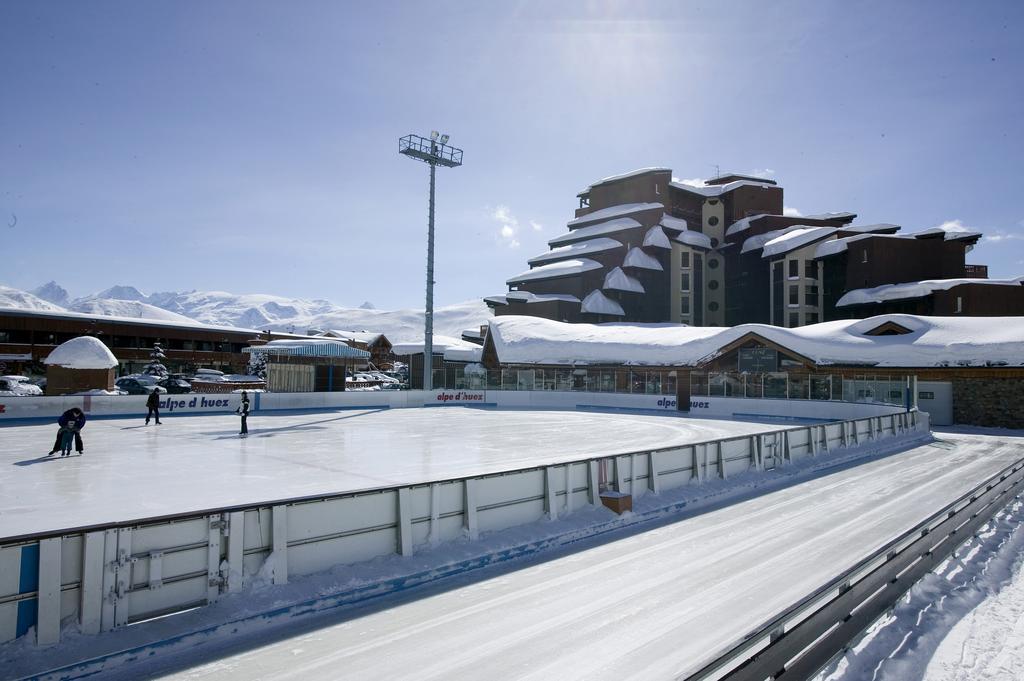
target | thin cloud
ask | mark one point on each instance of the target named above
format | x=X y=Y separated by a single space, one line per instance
x=508 y=227
x=955 y=226
x=692 y=182
x=790 y=211
x=537 y=227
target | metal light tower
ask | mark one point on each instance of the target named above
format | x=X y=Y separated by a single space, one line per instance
x=434 y=152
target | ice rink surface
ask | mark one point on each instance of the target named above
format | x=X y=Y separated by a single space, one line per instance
x=132 y=471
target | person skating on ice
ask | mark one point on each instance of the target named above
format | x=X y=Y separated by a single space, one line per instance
x=243 y=411
x=78 y=416
x=67 y=436
x=153 y=405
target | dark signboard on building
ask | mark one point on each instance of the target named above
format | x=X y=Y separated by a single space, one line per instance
x=758 y=360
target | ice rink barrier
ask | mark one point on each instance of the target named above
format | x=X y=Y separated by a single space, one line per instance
x=100 y=578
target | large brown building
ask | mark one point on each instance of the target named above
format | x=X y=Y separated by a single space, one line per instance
x=645 y=248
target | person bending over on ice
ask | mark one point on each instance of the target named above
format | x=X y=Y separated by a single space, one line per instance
x=77 y=416
x=67 y=436
x=153 y=404
x=243 y=411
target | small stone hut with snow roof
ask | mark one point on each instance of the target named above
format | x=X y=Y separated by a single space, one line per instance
x=80 y=364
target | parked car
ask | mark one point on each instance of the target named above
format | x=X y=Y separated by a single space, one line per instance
x=175 y=386
x=134 y=386
x=18 y=385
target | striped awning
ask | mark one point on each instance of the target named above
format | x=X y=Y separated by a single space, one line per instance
x=309 y=348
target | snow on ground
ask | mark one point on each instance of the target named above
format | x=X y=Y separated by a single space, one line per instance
x=647 y=595
x=199 y=462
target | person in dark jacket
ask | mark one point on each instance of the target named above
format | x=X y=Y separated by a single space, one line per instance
x=78 y=416
x=153 y=405
x=243 y=411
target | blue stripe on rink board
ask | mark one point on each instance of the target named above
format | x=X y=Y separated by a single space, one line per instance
x=28 y=581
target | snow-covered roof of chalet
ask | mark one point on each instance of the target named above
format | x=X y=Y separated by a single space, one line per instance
x=84 y=352
x=624 y=176
x=453 y=349
x=527 y=297
x=794 y=239
x=915 y=289
x=655 y=237
x=583 y=233
x=308 y=347
x=140 y=321
x=695 y=239
x=669 y=222
x=743 y=224
x=932 y=341
x=843 y=215
x=598 y=303
x=562 y=268
x=617 y=280
x=638 y=258
x=368 y=337
x=576 y=249
x=867 y=229
x=711 y=190
x=613 y=212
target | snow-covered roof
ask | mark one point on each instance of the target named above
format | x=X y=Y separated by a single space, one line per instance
x=794 y=239
x=453 y=349
x=915 y=289
x=867 y=229
x=933 y=341
x=527 y=297
x=576 y=249
x=757 y=242
x=138 y=321
x=308 y=347
x=583 y=233
x=843 y=215
x=368 y=337
x=695 y=239
x=624 y=176
x=83 y=352
x=613 y=211
x=598 y=303
x=948 y=232
x=712 y=190
x=669 y=222
x=656 y=238
x=638 y=258
x=871 y=232
x=562 y=268
x=618 y=280
x=743 y=224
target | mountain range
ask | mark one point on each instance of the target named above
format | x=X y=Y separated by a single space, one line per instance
x=251 y=310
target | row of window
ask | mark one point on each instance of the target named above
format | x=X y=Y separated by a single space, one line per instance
x=810 y=295
x=810 y=269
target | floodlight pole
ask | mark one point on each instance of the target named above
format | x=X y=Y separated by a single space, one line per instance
x=433 y=153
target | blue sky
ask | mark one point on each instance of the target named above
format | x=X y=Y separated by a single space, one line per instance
x=252 y=147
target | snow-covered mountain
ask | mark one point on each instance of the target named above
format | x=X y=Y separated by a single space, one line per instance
x=257 y=311
x=12 y=297
x=52 y=292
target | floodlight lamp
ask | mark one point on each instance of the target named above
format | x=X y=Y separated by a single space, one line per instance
x=433 y=135
x=444 y=139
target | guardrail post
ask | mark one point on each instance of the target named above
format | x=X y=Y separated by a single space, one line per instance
x=433 y=534
x=404 y=522
x=48 y=594
x=213 y=577
x=632 y=477
x=652 y=473
x=787 y=454
x=568 y=488
x=721 y=460
x=695 y=469
x=593 y=484
x=236 y=550
x=620 y=479
x=280 y=550
x=812 y=446
x=469 y=519
x=550 y=494
x=755 y=458
x=90 y=605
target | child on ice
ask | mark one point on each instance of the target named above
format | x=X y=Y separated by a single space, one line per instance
x=67 y=438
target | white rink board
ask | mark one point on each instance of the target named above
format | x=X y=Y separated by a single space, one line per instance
x=131 y=471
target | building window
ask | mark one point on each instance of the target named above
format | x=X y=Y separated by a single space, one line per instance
x=811 y=295
x=812 y=317
x=713 y=263
x=794 y=319
x=926 y=395
x=794 y=295
x=684 y=306
x=684 y=281
x=713 y=306
x=714 y=242
x=713 y=220
x=713 y=284
x=811 y=269
x=777 y=293
x=959 y=305
x=864 y=255
x=684 y=259
x=794 y=268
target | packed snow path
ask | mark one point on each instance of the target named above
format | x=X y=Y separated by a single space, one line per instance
x=131 y=471
x=652 y=605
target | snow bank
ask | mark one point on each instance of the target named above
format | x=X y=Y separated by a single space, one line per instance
x=84 y=352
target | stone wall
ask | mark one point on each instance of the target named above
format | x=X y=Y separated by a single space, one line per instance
x=995 y=402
